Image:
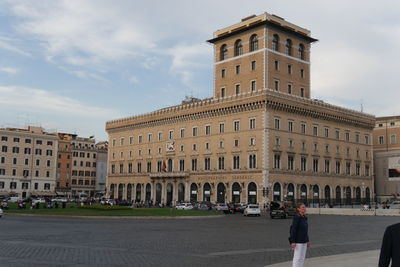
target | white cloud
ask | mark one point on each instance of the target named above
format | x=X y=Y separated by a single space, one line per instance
x=9 y=70
x=6 y=46
x=34 y=100
x=134 y=80
x=186 y=59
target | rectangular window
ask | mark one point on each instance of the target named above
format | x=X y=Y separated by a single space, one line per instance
x=252 y=141
x=181 y=165
x=252 y=123
x=289 y=69
x=39 y=142
x=393 y=139
x=160 y=136
x=222 y=127
x=253 y=65
x=315 y=130
x=149 y=137
x=236 y=143
x=236 y=126
x=366 y=139
x=208 y=129
x=221 y=163
x=290 y=163
x=289 y=87
x=277 y=124
x=222 y=92
x=4 y=138
x=131 y=140
x=303 y=164
x=326 y=132
x=327 y=166
x=302 y=73
x=315 y=165
x=276 y=65
x=381 y=140
x=149 y=166
x=277 y=161
x=207 y=164
x=122 y=141
x=276 y=85
x=366 y=170
x=194 y=131
x=348 y=168
x=237 y=69
x=290 y=126
x=303 y=128
x=347 y=136
x=337 y=167
x=140 y=139
x=194 y=164
x=357 y=138
x=223 y=73
x=182 y=133
x=171 y=134
x=236 y=162
x=358 y=169
x=253 y=86
x=237 y=89
x=252 y=162
x=302 y=92
x=337 y=133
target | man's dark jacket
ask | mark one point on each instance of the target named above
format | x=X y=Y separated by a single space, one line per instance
x=299 y=230
x=390 y=247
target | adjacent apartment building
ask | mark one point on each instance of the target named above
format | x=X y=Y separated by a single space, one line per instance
x=260 y=137
x=387 y=157
x=28 y=159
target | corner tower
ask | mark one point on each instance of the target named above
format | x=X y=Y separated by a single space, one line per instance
x=262 y=51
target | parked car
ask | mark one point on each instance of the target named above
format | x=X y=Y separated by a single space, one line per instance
x=201 y=206
x=221 y=207
x=231 y=208
x=1 y=213
x=38 y=200
x=59 y=199
x=252 y=209
x=281 y=210
x=240 y=207
x=395 y=205
x=105 y=201
x=184 y=206
x=13 y=199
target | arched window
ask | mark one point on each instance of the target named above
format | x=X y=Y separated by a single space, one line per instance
x=238 y=48
x=275 y=42
x=290 y=192
x=288 y=47
x=301 y=51
x=223 y=52
x=253 y=43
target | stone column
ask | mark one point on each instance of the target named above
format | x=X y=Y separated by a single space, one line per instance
x=187 y=191
x=124 y=191
x=228 y=192
x=134 y=192
x=244 y=195
x=164 y=192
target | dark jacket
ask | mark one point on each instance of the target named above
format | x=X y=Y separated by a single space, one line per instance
x=299 y=230
x=390 y=246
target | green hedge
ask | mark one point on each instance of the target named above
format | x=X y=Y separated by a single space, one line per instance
x=101 y=207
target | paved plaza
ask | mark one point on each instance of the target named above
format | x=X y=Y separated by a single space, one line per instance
x=231 y=240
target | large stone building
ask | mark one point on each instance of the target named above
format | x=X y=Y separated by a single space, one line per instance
x=28 y=160
x=387 y=157
x=260 y=136
x=64 y=164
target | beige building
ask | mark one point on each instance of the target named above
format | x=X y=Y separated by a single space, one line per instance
x=260 y=137
x=27 y=162
x=387 y=157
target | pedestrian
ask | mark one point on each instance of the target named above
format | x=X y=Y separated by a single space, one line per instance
x=390 y=246
x=298 y=239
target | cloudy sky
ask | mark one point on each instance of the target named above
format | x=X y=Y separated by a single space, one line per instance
x=72 y=65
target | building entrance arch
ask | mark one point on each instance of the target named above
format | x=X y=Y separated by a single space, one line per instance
x=206 y=192
x=221 y=193
x=252 y=193
x=181 y=192
x=236 y=192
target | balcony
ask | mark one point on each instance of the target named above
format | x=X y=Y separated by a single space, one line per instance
x=169 y=175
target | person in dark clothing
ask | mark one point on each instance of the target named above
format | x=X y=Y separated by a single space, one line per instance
x=298 y=239
x=390 y=247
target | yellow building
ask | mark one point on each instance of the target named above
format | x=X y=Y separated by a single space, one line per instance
x=260 y=137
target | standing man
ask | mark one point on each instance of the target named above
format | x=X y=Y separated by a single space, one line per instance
x=390 y=247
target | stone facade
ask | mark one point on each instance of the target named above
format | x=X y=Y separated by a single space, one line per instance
x=386 y=157
x=28 y=160
x=249 y=143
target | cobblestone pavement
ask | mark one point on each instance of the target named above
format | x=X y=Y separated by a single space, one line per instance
x=232 y=240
